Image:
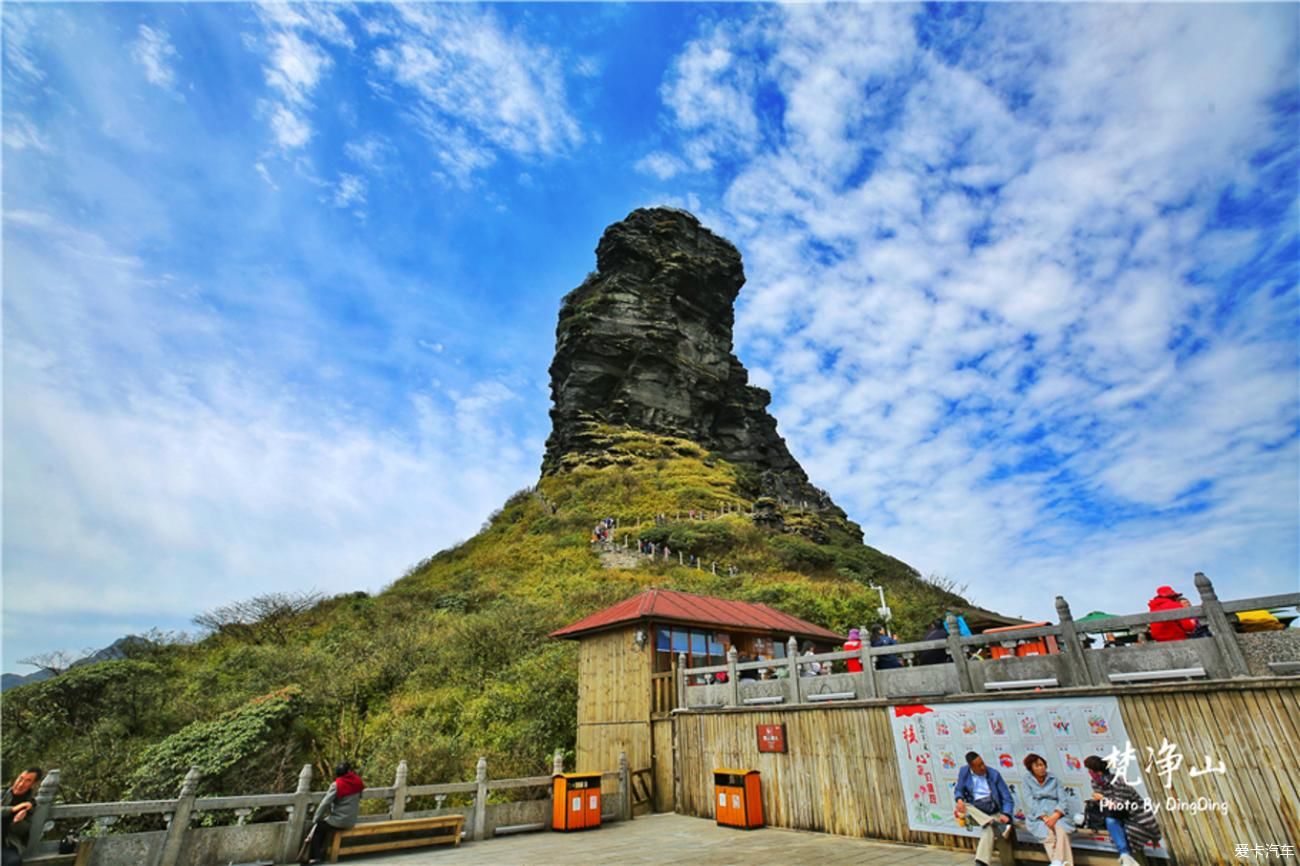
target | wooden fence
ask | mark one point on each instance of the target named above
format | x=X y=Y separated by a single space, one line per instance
x=840 y=772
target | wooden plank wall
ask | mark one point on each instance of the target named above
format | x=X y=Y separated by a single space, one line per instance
x=613 y=678
x=599 y=746
x=840 y=774
x=662 y=740
x=1256 y=733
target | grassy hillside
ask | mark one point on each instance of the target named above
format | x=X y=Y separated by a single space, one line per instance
x=453 y=660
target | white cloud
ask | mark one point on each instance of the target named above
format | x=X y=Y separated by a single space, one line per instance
x=662 y=165
x=479 y=90
x=21 y=134
x=153 y=470
x=295 y=66
x=294 y=63
x=350 y=191
x=291 y=129
x=154 y=52
x=972 y=283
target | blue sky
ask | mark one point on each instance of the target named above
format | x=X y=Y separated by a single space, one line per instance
x=280 y=282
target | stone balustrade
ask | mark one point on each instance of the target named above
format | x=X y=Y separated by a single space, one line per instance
x=1224 y=654
x=183 y=844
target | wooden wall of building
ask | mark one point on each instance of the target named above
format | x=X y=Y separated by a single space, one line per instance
x=662 y=741
x=840 y=774
x=613 y=678
x=613 y=702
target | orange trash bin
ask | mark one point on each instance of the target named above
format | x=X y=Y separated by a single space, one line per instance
x=575 y=801
x=738 y=798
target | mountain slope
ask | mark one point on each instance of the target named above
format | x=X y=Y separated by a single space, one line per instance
x=653 y=421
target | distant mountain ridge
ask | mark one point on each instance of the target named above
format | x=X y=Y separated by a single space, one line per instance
x=116 y=650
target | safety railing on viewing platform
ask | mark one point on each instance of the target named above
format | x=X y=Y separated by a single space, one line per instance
x=1222 y=654
x=278 y=839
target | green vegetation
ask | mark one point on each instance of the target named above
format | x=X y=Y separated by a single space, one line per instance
x=453 y=660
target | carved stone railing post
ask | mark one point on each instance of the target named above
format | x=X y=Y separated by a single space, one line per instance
x=1221 y=630
x=868 y=665
x=45 y=795
x=557 y=763
x=792 y=671
x=296 y=827
x=399 y=792
x=174 y=843
x=480 y=800
x=681 y=679
x=733 y=680
x=958 y=653
x=625 y=786
x=1077 y=662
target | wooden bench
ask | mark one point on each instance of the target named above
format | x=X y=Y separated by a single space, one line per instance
x=394 y=835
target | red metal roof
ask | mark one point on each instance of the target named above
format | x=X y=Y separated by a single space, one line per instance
x=668 y=605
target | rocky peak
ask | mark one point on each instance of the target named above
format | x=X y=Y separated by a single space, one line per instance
x=646 y=342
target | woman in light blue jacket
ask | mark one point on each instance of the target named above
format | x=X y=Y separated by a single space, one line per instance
x=1047 y=813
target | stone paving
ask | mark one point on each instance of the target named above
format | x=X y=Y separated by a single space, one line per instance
x=672 y=839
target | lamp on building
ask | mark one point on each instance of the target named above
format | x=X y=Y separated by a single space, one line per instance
x=639 y=638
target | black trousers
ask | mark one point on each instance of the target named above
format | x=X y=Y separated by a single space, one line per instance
x=11 y=856
x=320 y=840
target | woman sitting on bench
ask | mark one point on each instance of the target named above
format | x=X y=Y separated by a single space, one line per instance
x=1047 y=814
x=337 y=811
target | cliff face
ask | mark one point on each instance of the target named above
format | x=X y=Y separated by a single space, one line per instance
x=646 y=342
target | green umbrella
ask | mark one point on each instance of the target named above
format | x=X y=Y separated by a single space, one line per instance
x=1096 y=614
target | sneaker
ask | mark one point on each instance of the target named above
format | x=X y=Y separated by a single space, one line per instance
x=1057 y=863
x=1127 y=860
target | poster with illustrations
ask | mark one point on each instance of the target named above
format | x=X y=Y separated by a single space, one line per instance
x=931 y=744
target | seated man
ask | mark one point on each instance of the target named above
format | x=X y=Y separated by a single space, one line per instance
x=983 y=800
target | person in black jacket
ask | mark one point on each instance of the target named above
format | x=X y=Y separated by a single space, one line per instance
x=934 y=656
x=15 y=805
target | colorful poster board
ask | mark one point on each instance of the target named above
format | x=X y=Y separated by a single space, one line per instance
x=931 y=743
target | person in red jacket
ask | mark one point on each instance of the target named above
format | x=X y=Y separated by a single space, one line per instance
x=853 y=644
x=1173 y=629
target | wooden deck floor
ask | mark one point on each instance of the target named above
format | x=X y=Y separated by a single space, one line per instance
x=672 y=839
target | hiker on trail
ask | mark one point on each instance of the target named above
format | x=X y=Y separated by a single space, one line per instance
x=1170 y=630
x=337 y=811
x=983 y=800
x=1128 y=818
x=880 y=637
x=15 y=805
x=854 y=644
x=1047 y=811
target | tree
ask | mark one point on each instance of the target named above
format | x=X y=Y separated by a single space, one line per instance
x=261 y=619
x=55 y=661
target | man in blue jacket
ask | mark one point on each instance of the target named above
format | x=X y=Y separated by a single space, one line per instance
x=983 y=800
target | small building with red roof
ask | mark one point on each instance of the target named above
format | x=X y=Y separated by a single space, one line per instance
x=627 y=662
